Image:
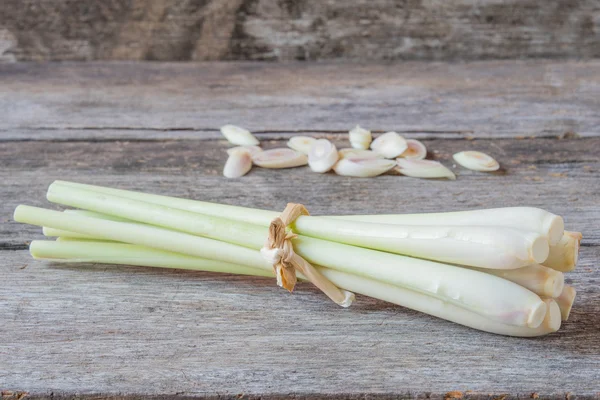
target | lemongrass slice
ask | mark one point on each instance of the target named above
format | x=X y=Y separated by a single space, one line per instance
x=322 y=156
x=360 y=138
x=565 y=301
x=415 y=151
x=476 y=160
x=552 y=320
x=389 y=145
x=363 y=167
x=240 y=136
x=358 y=153
x=564 y=255
x=301 y=143
x=279 y=158
x=423 y=169
x=541 y=280
x=238 y=164
x=251 y=149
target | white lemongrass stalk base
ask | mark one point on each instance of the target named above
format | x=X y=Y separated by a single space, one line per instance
x=490 y=296
x=565 y=301
x=524 y=218
x=564 y=255
x=541 y=280
x=125 y=254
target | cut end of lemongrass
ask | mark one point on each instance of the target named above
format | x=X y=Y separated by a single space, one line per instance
x=476 y=161
x=349 y=298
x=249 y=149
x=360 y=138
x=555 y=284
x=362 y=168
x=279 y=158
x=301 y=143
x=565 y=301
x=389 y=145
x=555 y=226
x=239 y=136
x=322 y=156
x=537 y=314
x=565 y=254
x=552 y=318
x=415 y=150
x=238 y=164
x=539 y=249
x=423 y=169
x=358 y=153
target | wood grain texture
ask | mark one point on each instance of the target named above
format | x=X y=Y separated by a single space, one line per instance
x=481 y=99
x=125 y=333
x=285 y=30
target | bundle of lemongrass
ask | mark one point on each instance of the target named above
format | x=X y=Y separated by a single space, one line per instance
x=497 y=270
x=389 y=151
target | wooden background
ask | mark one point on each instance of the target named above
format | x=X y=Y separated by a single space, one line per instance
x=97 y=331
x=283 y=30
x=519 y=80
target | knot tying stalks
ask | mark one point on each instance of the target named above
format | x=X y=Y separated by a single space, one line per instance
x=279 y=252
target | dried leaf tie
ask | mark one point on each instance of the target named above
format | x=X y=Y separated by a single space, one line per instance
x=279 y=252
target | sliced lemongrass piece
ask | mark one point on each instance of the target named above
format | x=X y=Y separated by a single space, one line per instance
x=389 y=145
x=415 y=151
x=565 y=301
x=126 y=254
x=250 y=149
x=237 y=164
x=358 y=153
x=494 y=297
x=360 y=138
x=541 y=280
x=423 y=169
x=301 y=143
x=322 y=156
x=564 y=255
x=362 y=167
x=279 y=158
x=476 y=160
x=239 y=136
x=552 y=320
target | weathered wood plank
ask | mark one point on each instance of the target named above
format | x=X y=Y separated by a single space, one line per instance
x=482 y=99
x=104 y=329
x=287 y=30
x=558 y=175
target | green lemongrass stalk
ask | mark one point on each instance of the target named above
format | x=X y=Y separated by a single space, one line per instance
x=541 y=280
x=51 y=232
x=126 y=254
x=564 y=255
x=479 y=292
x=523 y=218
x=486 y=247
x=565 y=301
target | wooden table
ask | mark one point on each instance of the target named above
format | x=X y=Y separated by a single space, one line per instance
x=83 y=331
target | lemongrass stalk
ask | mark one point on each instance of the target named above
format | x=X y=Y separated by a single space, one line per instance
x=101 y=252
x=481 y=293
x=541 y=280
x=524 y=218
x=94 y=251
x=499 y=248
x=51 y=232
x=565 y=301
x=563 y=256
